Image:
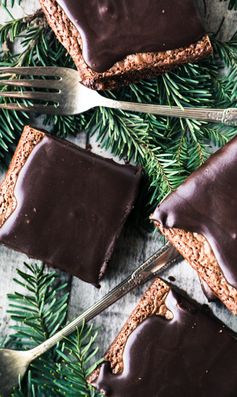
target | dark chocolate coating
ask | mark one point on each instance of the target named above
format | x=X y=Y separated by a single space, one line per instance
x=71 y=206
x=190 y=355
x=112 y=29
x=206 y=203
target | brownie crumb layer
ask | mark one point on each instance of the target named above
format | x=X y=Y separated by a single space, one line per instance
x=196 y=250
x=29 y=139
x=132 y=68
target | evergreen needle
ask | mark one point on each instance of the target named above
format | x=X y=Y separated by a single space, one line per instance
x=38 y=313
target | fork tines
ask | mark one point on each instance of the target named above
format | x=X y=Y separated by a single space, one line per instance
x=50 y=79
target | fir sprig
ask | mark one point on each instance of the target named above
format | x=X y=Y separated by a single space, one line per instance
x=76 y=364
x=43 y=311
x=37 y=314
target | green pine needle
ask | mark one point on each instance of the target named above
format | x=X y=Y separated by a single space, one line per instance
x=37 y=314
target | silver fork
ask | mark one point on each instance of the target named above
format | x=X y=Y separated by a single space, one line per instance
x=14 y=364
x=63 y=94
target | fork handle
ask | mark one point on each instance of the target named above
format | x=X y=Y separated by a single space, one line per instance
x=160 y=260
x=225 y=116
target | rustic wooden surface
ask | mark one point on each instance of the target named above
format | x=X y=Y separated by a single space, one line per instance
x=134 y=245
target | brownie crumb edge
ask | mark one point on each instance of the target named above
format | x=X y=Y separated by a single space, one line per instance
x=196 y=250
x=29 y=139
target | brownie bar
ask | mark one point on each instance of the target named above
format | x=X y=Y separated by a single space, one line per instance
x=64 y=205
x=200 y=219
x=136 y=65
x=170 y=346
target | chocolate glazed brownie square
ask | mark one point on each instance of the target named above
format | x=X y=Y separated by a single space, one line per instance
x=169 y=347
x=200 y=220
x=117 y=42
x=64 y=205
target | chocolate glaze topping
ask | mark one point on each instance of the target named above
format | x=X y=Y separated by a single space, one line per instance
x=191 y=355
x=112 y=29
x=71 y=206
x=206 y=203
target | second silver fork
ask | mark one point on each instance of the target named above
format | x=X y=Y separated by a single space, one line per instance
x=58 y=91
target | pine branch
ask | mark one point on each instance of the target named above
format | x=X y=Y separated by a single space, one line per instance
x=37 y=314
x=152 y=141
x=76 y=364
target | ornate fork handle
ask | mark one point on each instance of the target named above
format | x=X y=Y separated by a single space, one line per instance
x=226 y=116
x=230 y=116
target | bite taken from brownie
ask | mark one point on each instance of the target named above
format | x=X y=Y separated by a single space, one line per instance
x=200 y=220
x=64 y=205
x=169 y=347
x=117 y=42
